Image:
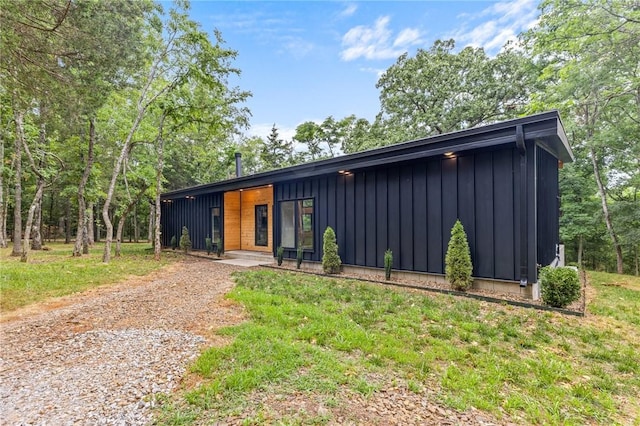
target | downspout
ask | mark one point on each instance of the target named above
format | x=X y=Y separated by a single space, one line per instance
x=522 y=149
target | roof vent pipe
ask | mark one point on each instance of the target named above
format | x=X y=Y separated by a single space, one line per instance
x=238 y=164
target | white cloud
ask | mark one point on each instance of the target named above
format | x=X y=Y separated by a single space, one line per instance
x=348 y=11
x=378 y=41
x=501 y=23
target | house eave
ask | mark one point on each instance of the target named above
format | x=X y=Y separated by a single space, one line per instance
x=545 y=129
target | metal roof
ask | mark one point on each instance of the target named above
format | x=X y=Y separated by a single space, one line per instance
x=545 y=129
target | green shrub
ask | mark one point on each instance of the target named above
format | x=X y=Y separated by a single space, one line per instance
x=388 y=261
x=185 y=240
x=560 y=286
x=299 y=254
x=458 y=267
x=219 y=248
x=280 y=255
x=208 y=245
x=174 y=242
x=330 y=259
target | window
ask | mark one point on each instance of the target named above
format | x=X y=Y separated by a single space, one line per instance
x=305 y=224
x=296 y=224
x=287 y=224
x=215 y=221
x=262 y=225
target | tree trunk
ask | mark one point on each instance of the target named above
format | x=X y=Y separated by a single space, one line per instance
x=27 y=229
x=124 y=216
x=157 y=247
x=136 y=230
x=580 y=250
x=36 y=234
x=151 y=229
x=17 y=196
x=67 y=222
x=90 y=222
x=3 y=202
x=97 y=223
x=605 y=211
x=78 y=248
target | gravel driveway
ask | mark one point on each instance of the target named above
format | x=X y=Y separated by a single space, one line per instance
x=100 y=356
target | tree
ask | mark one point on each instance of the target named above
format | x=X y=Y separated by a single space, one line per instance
x=439 y=91
x=276 y=152
x=590 y=51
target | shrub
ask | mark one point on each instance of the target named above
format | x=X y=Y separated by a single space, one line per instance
x=219 y=248
x=174 y=242
x=299 y=254
x=280 y=255
x=560 y=286
x=185 y=240
x=208 y=245
x=330 y=259
x=458 y=267
x=388 y=261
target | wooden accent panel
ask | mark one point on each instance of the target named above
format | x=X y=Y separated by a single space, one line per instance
x=232 y=220
x=249 y=199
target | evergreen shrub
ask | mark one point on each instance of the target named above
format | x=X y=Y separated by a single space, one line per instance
x=299 y=254
x=185 y=240
x=280 y=254
x=388 y=261
x=174 y=242
x=208 y=245
x=458 y=267
x=219 y=248
x=559 y=286
x=330 y=259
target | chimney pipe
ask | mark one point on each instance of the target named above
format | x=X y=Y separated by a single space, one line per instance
x=238 y=164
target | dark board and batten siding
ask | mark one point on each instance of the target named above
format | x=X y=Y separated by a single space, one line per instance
x=411 y=207
x=194 y=213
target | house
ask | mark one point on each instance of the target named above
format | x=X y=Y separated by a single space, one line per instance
x=500 y=180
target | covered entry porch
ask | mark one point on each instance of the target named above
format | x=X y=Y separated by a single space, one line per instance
x=248 y=219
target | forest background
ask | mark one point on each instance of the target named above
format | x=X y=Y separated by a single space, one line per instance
x=104 y=105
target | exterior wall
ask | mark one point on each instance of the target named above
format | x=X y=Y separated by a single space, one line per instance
x=194 y=213
x=248 y=200
x=411 y=207
x=548 y=207
x=232 y=224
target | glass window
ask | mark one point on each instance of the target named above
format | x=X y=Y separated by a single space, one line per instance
x=305 y=223
x=262 y=225
x=287 y=224
x=215 y=220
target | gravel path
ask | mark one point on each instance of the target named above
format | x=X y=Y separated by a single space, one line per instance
x=101 y=356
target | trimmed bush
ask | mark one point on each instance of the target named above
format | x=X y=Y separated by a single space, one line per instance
x=330 y=259
x=219 y=248
x=299 y=254
x=458 y=267
x=185 y=240
x=208 y=245
x=559 y=286
x=388 y=262
x=174 y=242
x=280 y=254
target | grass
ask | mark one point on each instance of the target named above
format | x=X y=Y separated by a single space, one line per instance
x=56 y=273
x=320 y=336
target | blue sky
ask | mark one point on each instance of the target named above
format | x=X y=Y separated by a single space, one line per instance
x=307 y=60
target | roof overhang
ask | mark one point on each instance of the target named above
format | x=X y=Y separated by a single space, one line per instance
x=545 y=129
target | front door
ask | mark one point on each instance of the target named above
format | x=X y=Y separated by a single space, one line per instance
x=262 y=225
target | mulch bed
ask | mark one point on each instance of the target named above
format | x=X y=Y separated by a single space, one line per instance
x=577 y=308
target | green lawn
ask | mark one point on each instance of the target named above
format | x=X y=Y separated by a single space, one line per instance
x=314 y=335
x=56 y=273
